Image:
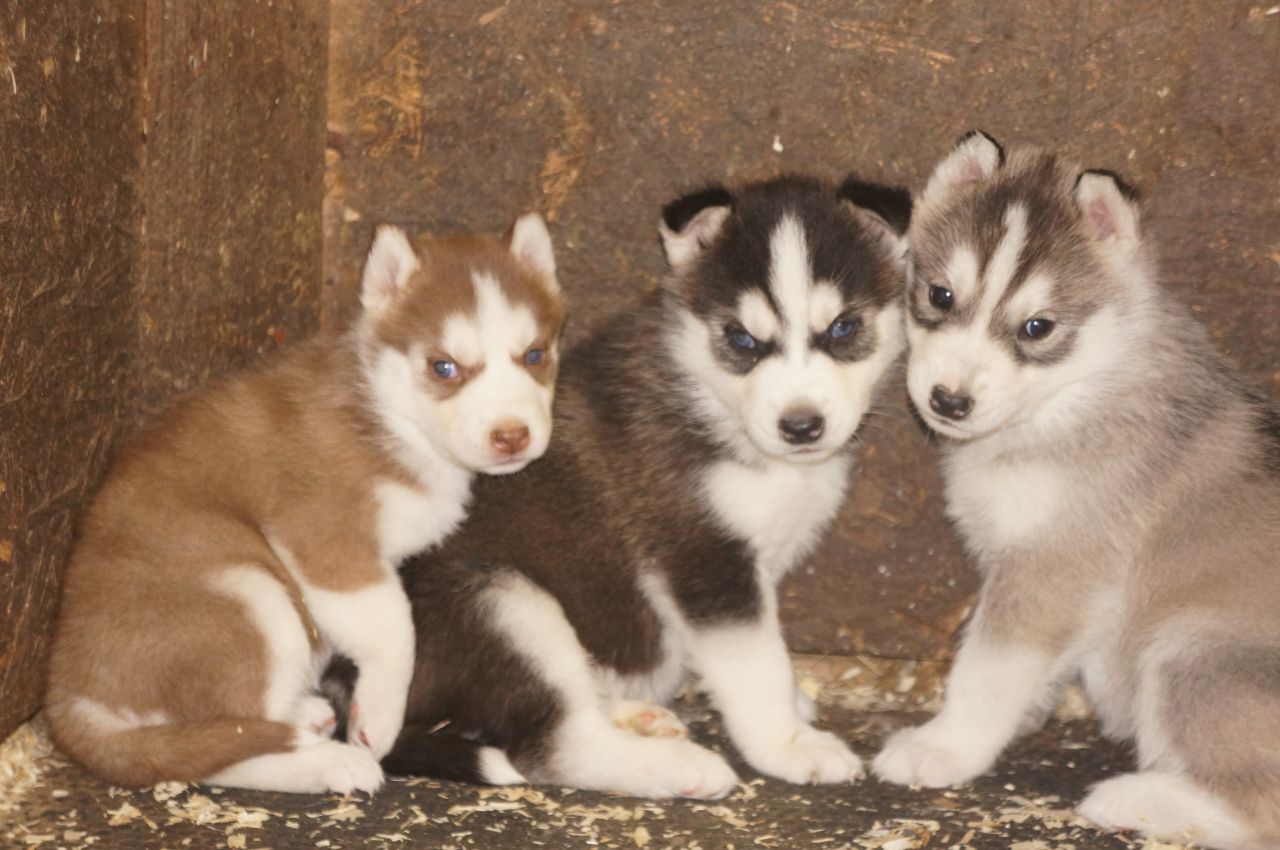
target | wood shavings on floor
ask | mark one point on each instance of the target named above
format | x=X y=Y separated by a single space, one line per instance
x=1025 y=805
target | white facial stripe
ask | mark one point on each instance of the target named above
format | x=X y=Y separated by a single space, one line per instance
x=825 y=303
x=790 y=281
x=461 y=339
x=1032 y=297
x=1004 y=260
x=757 y=316
x=962 y=274
x=507 y=329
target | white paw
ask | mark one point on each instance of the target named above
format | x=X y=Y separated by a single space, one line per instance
x=313 y=712
x=924 y=758
x=642 y=718
x=688 y=770
x=807 y=756
x=347 y=769
x=1168 y=806
x=375 y=721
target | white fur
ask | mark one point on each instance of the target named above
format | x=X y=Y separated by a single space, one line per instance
x=411 y=519
x=757 y=316
x=531 y=245
x=990 y=692
x=1001 y=503
x=290 y=668
x=390 y=264
x=372 y=626
x=590 y=751
x=1109 y=216
x=1167 y=806
x=825 y=303
x=747 y=672
x=780 y=508
x=497 y=769
x=316 y=765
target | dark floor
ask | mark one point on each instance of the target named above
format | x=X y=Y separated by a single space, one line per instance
x=1025 y=805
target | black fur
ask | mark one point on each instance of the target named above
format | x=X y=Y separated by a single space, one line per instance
x=1127 y=190
x=677 y=214
x=891 y=203
x=619 y=489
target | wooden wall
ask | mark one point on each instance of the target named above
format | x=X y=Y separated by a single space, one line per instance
x=161 y=170
x=449 y=113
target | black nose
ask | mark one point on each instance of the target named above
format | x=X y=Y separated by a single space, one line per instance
x=801 y=428
x=950 y=405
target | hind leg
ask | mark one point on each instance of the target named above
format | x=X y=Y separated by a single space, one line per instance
x=585 y=749
x=316 y=765
x=1167 y=806
x=1208 y=745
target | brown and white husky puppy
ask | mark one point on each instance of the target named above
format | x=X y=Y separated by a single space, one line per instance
x=703 y=445
x=1119 y=487
x=258 y=526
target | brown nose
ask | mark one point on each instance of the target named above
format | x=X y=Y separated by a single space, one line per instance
x=509 y=439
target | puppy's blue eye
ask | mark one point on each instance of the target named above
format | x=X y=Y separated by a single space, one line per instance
x=941 y=297
x=842 y=328
x=740 y=339
x=446 y=369
x=1037 y=328
x=533 y=357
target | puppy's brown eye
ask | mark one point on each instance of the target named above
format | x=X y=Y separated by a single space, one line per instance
x=1037 y=328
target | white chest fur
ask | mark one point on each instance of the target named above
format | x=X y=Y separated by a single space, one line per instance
x=413 y=518
x=999 y=503
x=779 y=508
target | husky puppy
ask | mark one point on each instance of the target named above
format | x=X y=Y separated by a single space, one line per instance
x=1119 y=487
x=260 y=523
x=703 y=444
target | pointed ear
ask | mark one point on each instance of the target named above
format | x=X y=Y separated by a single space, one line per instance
x=884 y=211
x=531 y=246
x=973 y=159
x=690 y=224
x=1110 y=208
x=390 y=264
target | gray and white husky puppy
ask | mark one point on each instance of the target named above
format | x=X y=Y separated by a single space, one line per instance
x=1119 y=487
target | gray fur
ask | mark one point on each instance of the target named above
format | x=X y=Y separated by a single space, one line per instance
x=1154 y=566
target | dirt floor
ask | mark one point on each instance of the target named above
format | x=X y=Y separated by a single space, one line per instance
x=1024 y=805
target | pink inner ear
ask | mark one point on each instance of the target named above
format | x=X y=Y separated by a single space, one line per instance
x=1099 y=216
x=971 y=172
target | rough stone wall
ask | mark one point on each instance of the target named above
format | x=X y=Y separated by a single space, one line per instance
x=162 y=167
x=447 y=114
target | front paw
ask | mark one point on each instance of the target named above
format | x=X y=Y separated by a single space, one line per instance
x=375 y=723
x=924 y=757
x=807 y=756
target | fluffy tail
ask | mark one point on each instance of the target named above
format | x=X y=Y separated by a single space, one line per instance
x=135 y=756
x=419 y=751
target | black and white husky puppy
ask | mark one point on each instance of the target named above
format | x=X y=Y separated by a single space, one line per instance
x=703 y=443
x=1119 y=487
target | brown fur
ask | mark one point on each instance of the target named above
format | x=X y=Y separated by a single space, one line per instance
x=292 y=450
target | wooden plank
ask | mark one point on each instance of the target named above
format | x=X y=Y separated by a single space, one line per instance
x=163 y=165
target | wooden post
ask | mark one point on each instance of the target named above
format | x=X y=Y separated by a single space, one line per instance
x=162 y=172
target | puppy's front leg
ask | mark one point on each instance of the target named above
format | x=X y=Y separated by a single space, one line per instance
x=374 y=627
x=746 y=670
x=995 y=683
